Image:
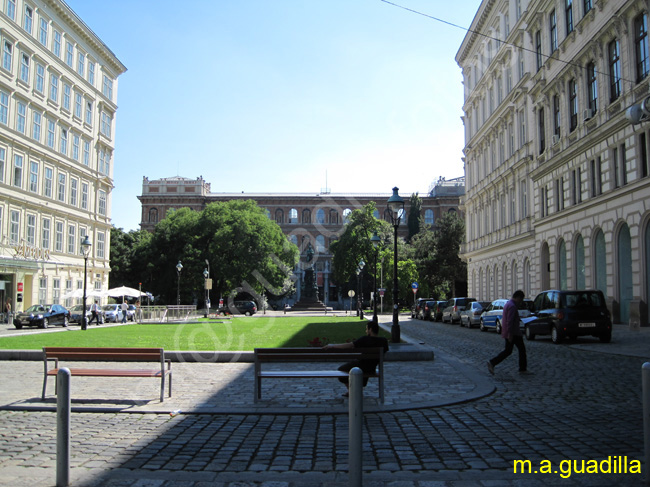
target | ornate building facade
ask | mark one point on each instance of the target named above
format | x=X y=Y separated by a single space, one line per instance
x=58 y=100
x=557 y=185
x=304 y=218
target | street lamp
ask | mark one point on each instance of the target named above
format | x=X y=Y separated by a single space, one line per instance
x=85 y=248
x=396 y=208
x=360 y=297
x=206 y=275
x=179 y=268
x=375 y=244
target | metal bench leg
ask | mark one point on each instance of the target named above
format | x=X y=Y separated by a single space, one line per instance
x=170 y=383
x=162 y=388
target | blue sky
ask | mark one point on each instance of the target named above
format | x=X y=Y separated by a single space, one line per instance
x=283 y=95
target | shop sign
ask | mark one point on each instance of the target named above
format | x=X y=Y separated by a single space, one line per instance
x=27 y=252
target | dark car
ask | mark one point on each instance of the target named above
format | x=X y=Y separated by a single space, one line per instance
x=451 y=313
x=471 y=315
x=417 y=310
x=429 y=310
x=436 y=313
x=42 y=315
x=247 y=308
x=569 y=314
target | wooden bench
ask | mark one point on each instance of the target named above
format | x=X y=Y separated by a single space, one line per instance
x=88 y=354
x=293 y=355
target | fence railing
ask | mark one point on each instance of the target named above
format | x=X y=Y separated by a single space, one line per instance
x=158 y=314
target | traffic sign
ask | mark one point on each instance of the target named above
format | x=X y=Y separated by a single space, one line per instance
x=414 y=285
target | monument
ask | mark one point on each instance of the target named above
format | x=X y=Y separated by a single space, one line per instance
x=309 y=287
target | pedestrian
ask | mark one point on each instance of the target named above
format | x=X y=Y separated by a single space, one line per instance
x=7 y=309
x=138 y=311
x=511 y=332
x=370 y=340
x=94 y=310
x=124 y=307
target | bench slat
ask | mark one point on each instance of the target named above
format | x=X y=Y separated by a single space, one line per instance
x=110 y=372
x=288 y=374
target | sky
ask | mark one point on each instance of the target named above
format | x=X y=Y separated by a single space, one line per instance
x=283 y=95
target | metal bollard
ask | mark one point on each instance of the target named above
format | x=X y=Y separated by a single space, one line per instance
x=355 y=418
x=645 y=371
x=63 y=428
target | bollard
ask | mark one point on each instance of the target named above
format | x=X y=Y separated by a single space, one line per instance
x=63 y=428
x=646 y=417
x=355 y=418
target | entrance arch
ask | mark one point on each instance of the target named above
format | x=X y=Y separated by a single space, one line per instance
x=600 y=262
x=545 y=267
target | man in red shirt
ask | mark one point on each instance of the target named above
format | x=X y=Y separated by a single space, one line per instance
x=511 y=331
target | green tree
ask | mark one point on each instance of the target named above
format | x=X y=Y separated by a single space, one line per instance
x=126 y=249
x=415 y=208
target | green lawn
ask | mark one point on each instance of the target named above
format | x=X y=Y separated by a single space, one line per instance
x=240 y=333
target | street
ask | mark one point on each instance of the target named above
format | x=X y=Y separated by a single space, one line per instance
x=576 y=405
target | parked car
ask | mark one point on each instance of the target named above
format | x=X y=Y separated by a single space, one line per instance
x=429 y=309
x=569 y=314
x=471 y=315
x=436 y=313
x=491 y=318
x=247 y=308
x=42 y=315
x=417 y=310
x=130 y=312
x=112 y=313
x=451 y=313
x=526 y=308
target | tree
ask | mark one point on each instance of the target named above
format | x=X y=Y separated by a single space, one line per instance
x=415 y=208
x=126 y=253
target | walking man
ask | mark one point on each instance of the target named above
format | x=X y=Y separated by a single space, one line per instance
x=124 y=307
x=94 y=310
x=511 y=332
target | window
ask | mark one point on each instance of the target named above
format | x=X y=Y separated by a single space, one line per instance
x=618 y=166
x=78 y=102
x=592 y=88
x=3 y=155
x=58 y=236
x=67 y=92
x=596 y=182
x=76 y=141
x=47 y=187
x=553 y=29
x=69 y=53
x=61 y=188
x=573 y=105
x=54 y=88
x=33 y=176
x=7 y=53
x=42 y=33
x=86 y=153
x=101 y=239
x=538 y=49
x=21 y=116
x=523 y=189
x=587 y=6
x=72 y=239
x=542 y=134
x=81 y=63
x=36 y=125
x=63 y=145
x=89 y=112
x=91 y=72
x=56 y=290
x=569 y=16
x=556 y=116
x=18 y=170
x=4 y=108
x=107 y=88
x=42 y=290
x=31 y=230
x=40 y=78
x=614 y=56
x=428 y=217
x=102 y=203
x=51 y=130
x=74 y=183
x=84 y=196
x=14 y=227
x=641 y=47
x=24 y=68
x=576 y=186
x=45 y=233
x=105 y=127
x=28 y=20
x=643 y=144
x=11 y=9
x=103 y=162
x=56 y=44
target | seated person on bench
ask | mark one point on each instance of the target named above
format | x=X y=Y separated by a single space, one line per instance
x=370 y=340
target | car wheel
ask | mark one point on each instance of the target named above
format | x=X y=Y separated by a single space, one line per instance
x=481 y=326
x=556 y=336
x=66 y=322
x=46 y=323
x=248 y=313
x=18 y=327
x=606 y=337
x=529 y=334
x=498 y=327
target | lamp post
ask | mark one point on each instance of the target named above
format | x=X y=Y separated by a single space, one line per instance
x=362 y=264
x=179 y=268
x=396 y=208
x=375 y=244
x=358 y=272
x=206 y=275
x=85 y=248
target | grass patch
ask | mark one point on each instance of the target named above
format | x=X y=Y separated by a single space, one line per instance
x=240 y=333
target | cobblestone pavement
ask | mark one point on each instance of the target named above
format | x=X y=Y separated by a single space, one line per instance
x=581 y=402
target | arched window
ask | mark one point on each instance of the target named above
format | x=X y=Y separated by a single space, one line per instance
x=579 y=266
x=561 y=265
x=320 y=216
x=306 y=216
x=293 y=239
x=320 y=244
x=346 y=215
x=279 y=216
x=428 y=217
x=600 y=264
x=334 y=217
x=153 y=215
x=625 y=289
x=293 y=215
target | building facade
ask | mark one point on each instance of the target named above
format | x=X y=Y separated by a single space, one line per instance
x=305 y=218
x=557 y=184
x=58 y=93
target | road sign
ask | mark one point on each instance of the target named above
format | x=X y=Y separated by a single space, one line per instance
x=351 y=293
x=414 y=285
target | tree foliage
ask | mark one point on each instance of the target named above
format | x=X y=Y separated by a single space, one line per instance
x=415 y=208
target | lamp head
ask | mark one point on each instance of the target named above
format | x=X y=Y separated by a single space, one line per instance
x=396 y=206
x=85 y=246
x=206 y=274
x=375 y=240
x=179 y=267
